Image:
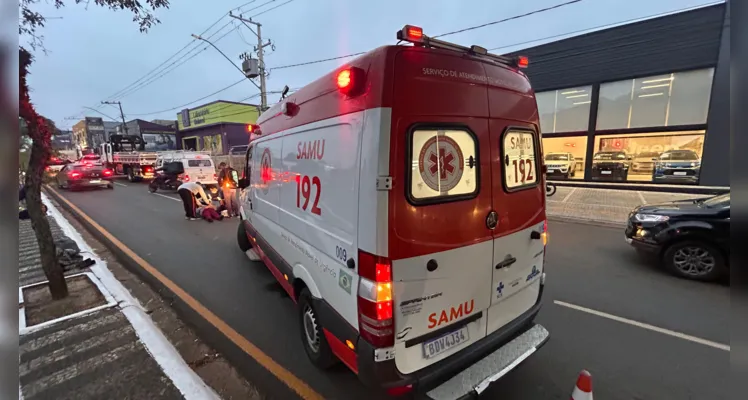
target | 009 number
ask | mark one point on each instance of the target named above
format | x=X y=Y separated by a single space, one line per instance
x=304 y=189
x=341 y=253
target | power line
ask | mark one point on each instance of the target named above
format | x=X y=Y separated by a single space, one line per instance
x=318 y=61
x=509 y=18
x=610 y=24
x=193 y=101
x=149 y=78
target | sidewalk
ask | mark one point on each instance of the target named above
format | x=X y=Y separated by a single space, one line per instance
x=604 y=206
x=110 y=351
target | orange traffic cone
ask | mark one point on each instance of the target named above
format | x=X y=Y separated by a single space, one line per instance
x=583 y=388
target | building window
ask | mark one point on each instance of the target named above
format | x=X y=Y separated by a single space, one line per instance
x=680 y=98
x=564 y=157
x=564 y=110
x=672 y=157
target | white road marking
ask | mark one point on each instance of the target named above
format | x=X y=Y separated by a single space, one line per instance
x=569 y=195
x=641 y=197
x=168 y=197
x=120 y=184
x=642 y=325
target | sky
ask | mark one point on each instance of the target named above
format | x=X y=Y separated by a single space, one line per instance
x=95 y=53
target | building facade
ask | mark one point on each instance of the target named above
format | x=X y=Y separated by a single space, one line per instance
x=216 y=126
x=156 y=137
x=89 y=132
x=651 y=95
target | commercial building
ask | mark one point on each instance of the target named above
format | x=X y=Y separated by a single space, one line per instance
x=89 y=132
x=216 y=126
x=157 y=137
x=646 y=102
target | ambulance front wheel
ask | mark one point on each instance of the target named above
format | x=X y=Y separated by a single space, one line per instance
x=242 y=239
x=313 y=339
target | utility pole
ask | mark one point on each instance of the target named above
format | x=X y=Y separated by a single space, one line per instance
x=260 y=49
x=122 y=114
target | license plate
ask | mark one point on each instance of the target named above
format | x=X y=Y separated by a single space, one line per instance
x=444 y=343
x=679 y=173
x=201 y=177
x=606 y=172
x=95 y=181
x=550 y=171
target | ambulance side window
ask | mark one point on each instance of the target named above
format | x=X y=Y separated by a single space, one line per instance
x=518 y=150
x=248 y=163
x=443 y=165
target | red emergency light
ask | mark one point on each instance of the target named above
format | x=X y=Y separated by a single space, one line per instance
x=350 y=81
x=410 y=33
x=108 y=172
x=253 y=128
x=523 y=61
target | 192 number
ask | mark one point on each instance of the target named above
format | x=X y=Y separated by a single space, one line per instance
x=524 y=168
x=341 y=253
x=304 y=189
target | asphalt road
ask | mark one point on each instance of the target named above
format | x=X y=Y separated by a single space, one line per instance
x=587 y=266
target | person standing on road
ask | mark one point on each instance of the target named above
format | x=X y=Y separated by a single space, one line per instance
x=191 y=193
x=227 y=180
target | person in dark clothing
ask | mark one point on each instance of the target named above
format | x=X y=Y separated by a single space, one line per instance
x=227 y=181
x=209 y=213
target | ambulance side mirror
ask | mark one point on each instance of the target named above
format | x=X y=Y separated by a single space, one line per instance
x=243 y=183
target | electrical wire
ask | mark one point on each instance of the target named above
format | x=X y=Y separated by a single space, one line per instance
x=193 y=101
x=612 y=24
x=318 y=61
x=509 y=18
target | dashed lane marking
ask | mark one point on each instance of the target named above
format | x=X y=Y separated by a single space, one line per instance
x=285 y=376
x=168 y=197
x=120 y=184
x=643 y=325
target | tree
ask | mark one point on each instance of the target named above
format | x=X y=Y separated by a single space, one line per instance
x=40 y=129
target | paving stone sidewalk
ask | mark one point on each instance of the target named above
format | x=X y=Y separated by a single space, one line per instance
x=606 y=206
x=96 y=356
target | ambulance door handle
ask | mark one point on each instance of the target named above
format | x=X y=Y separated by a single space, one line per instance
x=509 y=260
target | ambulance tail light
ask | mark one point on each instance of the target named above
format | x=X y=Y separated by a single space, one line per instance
x=185 y=178
x=351 y=81
x=375 y=303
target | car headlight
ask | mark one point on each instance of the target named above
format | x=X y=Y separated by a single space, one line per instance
x=651 y=217
x=696 y=164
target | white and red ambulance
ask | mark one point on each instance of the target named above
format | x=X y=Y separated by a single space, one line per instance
x=400 y=202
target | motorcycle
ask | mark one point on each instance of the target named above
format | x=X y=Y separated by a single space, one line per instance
x=550 y=189
x=164 y=182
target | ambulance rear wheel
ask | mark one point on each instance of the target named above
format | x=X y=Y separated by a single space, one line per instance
x=314 y=341
x=242 y=239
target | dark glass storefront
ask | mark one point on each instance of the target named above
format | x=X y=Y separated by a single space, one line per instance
x=632 y=116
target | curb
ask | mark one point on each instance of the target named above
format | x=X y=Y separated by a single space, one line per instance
x=587 y=221
x=186 y=380
x=250 y=368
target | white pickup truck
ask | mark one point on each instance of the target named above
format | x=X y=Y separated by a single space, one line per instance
x=123 y=154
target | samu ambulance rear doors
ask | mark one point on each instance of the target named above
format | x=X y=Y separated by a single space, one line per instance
x=518 y=197
x=440 y=247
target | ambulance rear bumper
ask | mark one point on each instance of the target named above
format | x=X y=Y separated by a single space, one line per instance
x=466 y=373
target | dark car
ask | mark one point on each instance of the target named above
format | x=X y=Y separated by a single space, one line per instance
x=84 y=175
x=677 y=166
x=690 y=236
x=610 y=166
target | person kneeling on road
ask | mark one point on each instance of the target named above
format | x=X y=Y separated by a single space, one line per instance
x=191 y=193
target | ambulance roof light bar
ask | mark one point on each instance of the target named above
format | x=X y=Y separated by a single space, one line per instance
x=414 y=34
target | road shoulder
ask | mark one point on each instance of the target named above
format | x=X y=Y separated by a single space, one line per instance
x=210 y=365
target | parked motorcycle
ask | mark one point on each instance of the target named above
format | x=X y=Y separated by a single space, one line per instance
x=550 y=189
x=164 y=182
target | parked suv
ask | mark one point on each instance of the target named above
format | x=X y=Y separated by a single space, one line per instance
x=560 y=165
x=644 y=162
x=610 y=165
x=677 y=166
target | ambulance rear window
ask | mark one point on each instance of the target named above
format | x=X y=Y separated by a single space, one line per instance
x=198 y=163
x=520 y=165
x=444 y=165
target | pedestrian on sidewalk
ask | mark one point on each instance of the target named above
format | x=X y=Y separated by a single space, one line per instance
x=227 y=180
x=191 y=193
